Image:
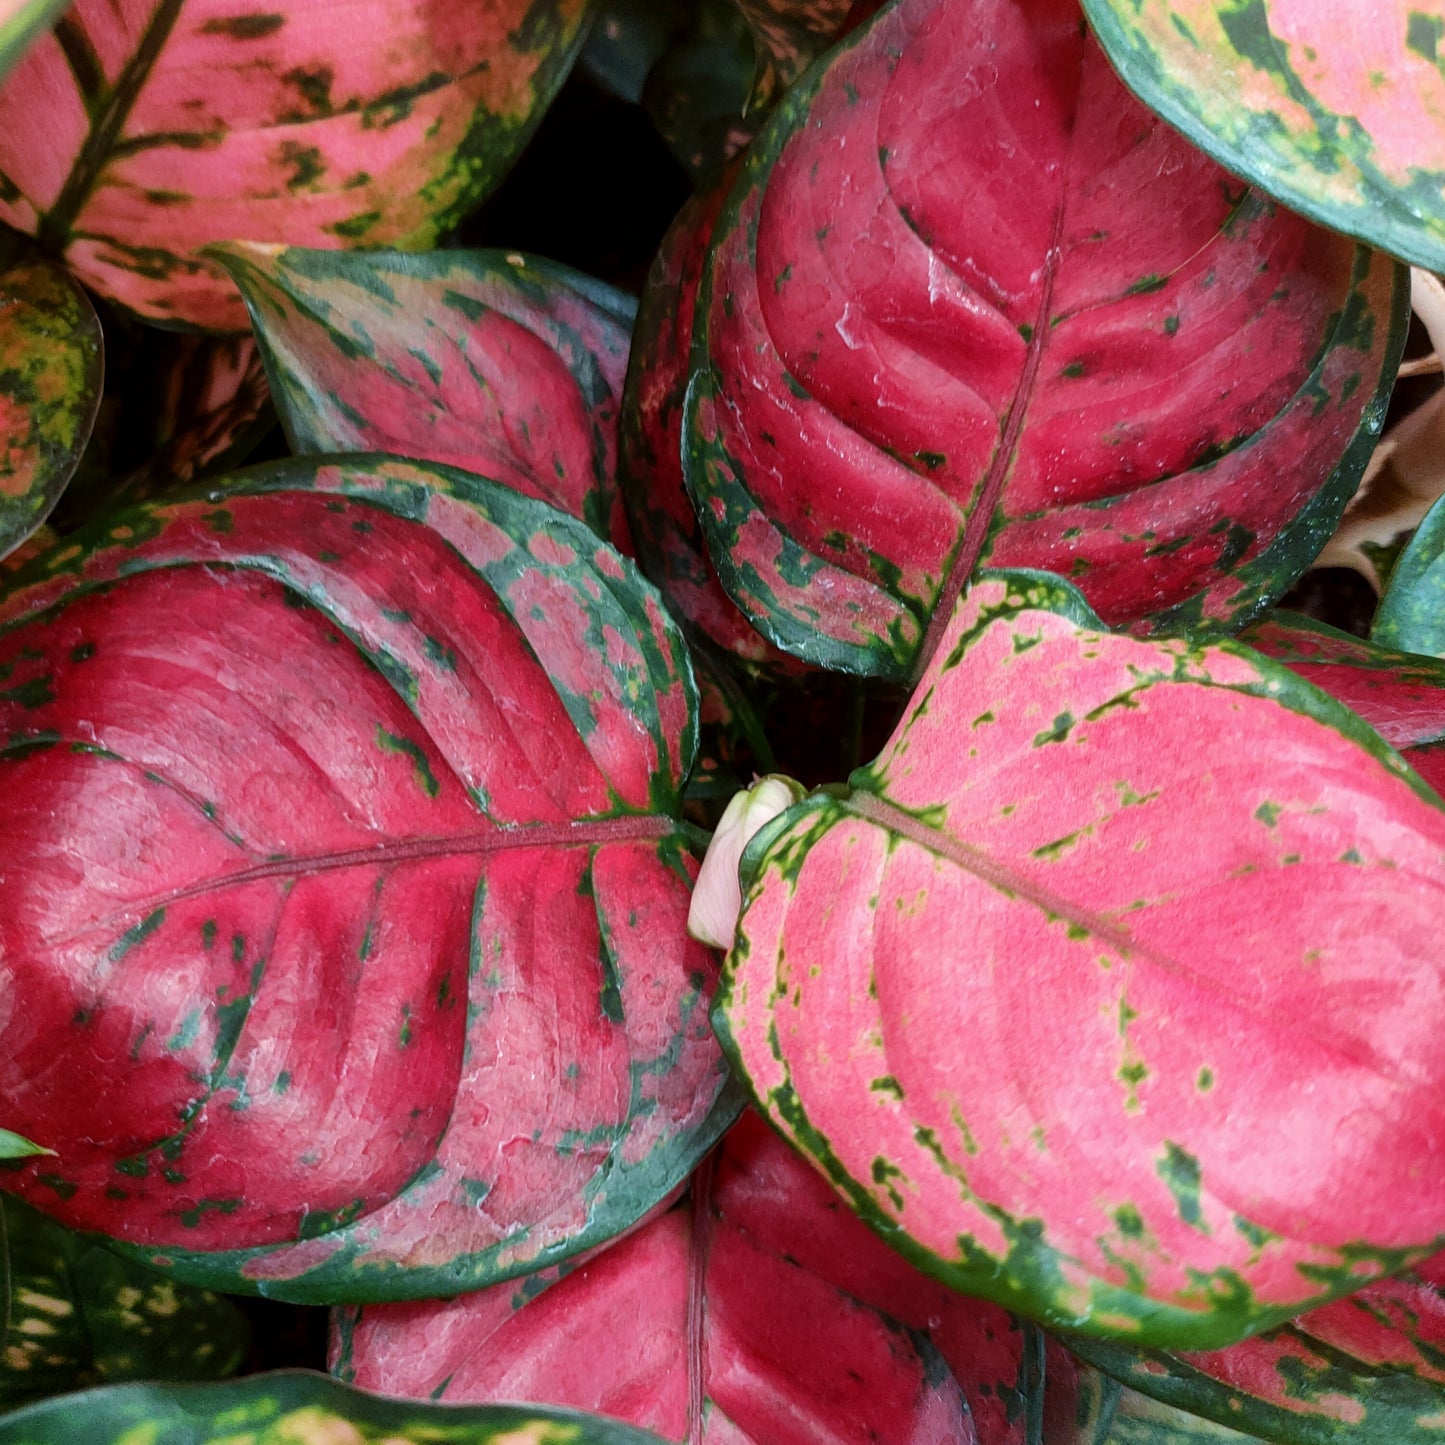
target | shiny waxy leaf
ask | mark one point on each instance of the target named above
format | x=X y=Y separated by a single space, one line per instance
x=344 y=885
x=1357 y=1371
x=1401 y=695
x=1336 y=109
x=502 y=364
x=1411 y=616
x=1170 y=909
x=50 y=379
x=969 y=300
x=20 y=22
x=141 y=130
x=294 y=1407
x=79 y=1314
x=773 y=1312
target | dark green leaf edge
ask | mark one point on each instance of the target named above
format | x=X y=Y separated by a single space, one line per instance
x=1395 y=1406
x=1388 y=222
x=256 y=1410
x=1028 y=1281
x=1411 y=615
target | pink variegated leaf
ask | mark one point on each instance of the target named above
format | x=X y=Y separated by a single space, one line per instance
x=970 y=302
x=21 y=21
x=51 y=367
x=505 y=365
x=345 y=887
x=142 y=130
x=1110 y=990
x=763 y=1314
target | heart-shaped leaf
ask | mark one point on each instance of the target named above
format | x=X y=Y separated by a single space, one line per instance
x=20 y=22
x=344 y=885
x=79 y=1314
x=664 y=529
x=144 y=129
x=1401 y=695
x=774 y=1312
x=1109 y=990
x=969 y=300
x=294 y=1407
x=50 y=380
x=1410 y=617
x=1339 y=112
x=1357 y=1371
x=505 y=365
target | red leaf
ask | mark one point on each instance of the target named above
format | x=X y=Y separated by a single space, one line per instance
x=971 y=301
x=778 y=1314
x=345 y=891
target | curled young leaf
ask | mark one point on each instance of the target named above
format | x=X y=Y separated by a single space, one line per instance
x=79 y=1314
x=1338 y=112
x=50 y=380
x=764 y=1313
x=294 y=1407
x=142 y=130
x=970 y=301
x=502 y=364
x=1109 y=990
x=345 y=885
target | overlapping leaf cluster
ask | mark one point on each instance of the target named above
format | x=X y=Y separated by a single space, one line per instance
x=1011 y=360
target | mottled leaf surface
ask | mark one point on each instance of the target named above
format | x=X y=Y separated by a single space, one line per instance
x=1360 y=1370
x=294 y=1407
x=1401 y=695
x=969 y=300
x=788 y=35
x=665 y=529
x=142 y=130
x=1139 y=1420
x=1168 y=911
x=51 y=368
x=1411 y=616
x=502 y=364
x=20 y=22
x=771 y=1316
x=79 y=1315
x=1337 y=109
x=344 y=885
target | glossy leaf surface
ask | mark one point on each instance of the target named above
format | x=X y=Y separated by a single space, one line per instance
x=79 y=1314
x=664 y=527
x=347 y=894
x=1401 y=695
x=775 y=1313
x=502 y=364
x=1359 y=1370
x=969 y=300
x=145 y=129
x=20 y=22
x=293 y=1407
x=51 y=367
x=1411 y=616
x=1169 y=909
x=1337 y=109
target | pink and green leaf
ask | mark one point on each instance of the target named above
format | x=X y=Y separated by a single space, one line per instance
x=1363 y=1369
x=773 y=1316
x=144 y=130
x=294 y=1407
x=504 y=365
x=80 y=1315
x=1088 y=349
x=21 y=21
x=1337 y=111
x=51 y=367
x=1400 y=694
x=1139 y=1420
x=1109 y=990
x=788 y=35
x=349 y=885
